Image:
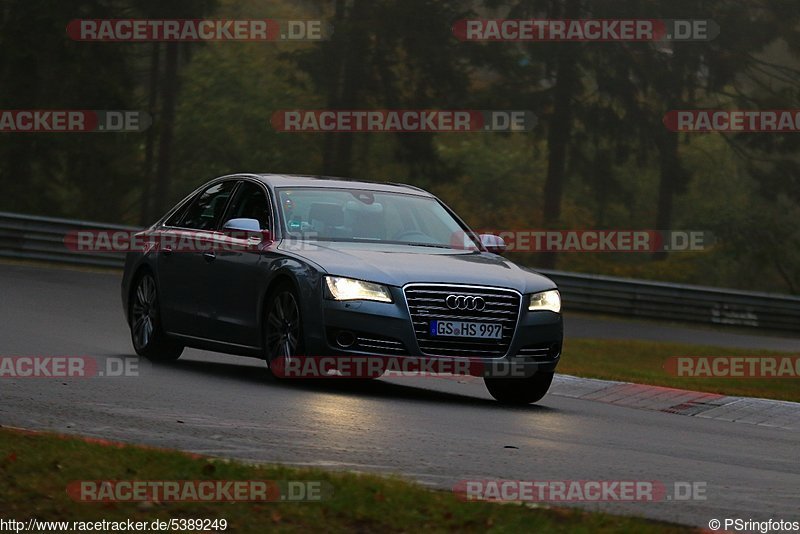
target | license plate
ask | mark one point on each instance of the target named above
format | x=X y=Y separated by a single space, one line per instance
x=466 y=329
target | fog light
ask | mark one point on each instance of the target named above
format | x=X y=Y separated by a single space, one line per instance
x=345 y=339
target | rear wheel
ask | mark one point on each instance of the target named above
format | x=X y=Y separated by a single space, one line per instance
x=519 y=390
x=149 y=339
x=283 y=332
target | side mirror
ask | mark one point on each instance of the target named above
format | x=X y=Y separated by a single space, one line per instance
x=242 y=225
x=246 y=229
x=493 y=243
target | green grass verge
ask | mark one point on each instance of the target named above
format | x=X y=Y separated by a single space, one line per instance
x=36 y=468
x=643 y=362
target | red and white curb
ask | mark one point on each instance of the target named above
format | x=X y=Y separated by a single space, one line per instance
x=764 y=412
x=754 y=411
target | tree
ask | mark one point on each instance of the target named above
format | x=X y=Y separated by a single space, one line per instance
x=396 y=54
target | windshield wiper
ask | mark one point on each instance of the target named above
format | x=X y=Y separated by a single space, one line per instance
x=430 y=245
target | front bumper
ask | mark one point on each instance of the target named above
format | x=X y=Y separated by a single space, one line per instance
x=385 y=330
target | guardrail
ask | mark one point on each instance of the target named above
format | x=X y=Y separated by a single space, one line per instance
x=677 y=302
x=30 y=237
x=43 y=239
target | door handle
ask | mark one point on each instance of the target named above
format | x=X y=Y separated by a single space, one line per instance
x=167 y=251
x=210 y=256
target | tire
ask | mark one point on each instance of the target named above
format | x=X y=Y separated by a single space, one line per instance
x=283 y=325
x=519 y=391
x=147 y=336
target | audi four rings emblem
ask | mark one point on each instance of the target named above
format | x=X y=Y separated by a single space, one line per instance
x=465 y=302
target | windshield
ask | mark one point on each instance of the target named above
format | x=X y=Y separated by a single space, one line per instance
x=355 y=215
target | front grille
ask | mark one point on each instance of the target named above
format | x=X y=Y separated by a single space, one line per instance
x=427 y=303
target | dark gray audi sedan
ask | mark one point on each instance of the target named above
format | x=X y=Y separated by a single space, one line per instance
x=277 y=267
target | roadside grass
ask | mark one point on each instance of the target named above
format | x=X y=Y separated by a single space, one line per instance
x=644 y=362
x=36 y=468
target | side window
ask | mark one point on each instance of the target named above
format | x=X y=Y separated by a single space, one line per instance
x=176 y=217
x=206 y=211
x=250 y=202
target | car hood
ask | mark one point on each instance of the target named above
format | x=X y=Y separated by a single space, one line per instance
x=397 y=265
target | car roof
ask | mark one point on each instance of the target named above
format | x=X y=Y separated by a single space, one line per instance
x=296 y=180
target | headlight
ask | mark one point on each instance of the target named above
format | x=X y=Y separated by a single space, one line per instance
x=339 y=288
x=546 y=300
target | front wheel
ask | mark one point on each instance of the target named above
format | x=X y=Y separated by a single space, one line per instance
x=283 y=333
x=149 y=339
x=519 y=391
